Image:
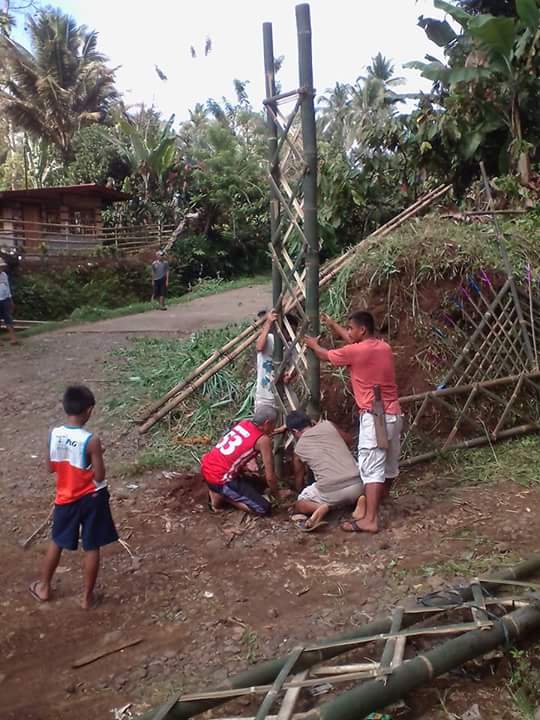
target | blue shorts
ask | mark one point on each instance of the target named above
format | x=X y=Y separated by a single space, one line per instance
x=160 y=289
x=242 y=491
x=89 y=518
x=5 y=312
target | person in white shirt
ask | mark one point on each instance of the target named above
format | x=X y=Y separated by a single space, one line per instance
x=265 y=367
x=6 y=302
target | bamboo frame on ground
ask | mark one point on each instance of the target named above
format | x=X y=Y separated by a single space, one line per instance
x=472 y=391
x=265 y=674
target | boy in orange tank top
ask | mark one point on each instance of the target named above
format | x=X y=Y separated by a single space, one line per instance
x=82 y=500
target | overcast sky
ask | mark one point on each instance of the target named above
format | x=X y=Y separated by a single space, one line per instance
x=137 y=35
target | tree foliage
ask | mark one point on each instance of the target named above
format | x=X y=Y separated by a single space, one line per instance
x=62 y=121
x=60 y=85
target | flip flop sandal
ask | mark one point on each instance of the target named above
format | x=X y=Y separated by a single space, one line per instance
x=304 y=527
x=33 y=592
x=354 y=527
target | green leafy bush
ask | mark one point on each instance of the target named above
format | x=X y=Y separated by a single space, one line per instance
x=54 y=294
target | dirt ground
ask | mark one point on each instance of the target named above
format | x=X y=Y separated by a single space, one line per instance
x=208 y=595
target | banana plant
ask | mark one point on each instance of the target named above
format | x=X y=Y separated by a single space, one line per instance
x=150 y=156
x=501 y=50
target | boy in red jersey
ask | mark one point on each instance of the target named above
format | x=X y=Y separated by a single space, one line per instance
x=82 y=498
x=223 y=466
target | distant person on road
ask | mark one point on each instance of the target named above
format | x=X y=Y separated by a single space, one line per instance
x=81 y=509
x=264 y=345
x=224 y=467
x=322 y=448
x=6 y=302
x=160 y=279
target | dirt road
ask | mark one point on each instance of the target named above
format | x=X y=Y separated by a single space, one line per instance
x=208 y=312
x=207 y=595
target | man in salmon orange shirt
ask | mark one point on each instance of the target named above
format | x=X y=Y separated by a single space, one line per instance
x=371 y=363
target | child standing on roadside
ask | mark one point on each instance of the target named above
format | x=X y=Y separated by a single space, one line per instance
x=82 y=499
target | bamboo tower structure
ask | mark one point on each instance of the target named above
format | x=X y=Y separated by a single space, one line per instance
x=229 y=352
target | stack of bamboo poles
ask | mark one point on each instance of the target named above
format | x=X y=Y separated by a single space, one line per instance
x=219 y=359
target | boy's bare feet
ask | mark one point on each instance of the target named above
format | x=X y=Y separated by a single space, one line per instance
x=92 y=602
x=39 y=591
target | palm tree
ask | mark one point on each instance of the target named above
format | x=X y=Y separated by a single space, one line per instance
x=334 y=111
x=59 y=86
x=373 y=103
x=382 y=69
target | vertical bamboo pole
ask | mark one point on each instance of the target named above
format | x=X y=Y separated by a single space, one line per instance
x=311 y=231
x=275 y=234
x=274 y=171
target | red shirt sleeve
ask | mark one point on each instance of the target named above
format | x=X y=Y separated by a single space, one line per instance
x=342 y=356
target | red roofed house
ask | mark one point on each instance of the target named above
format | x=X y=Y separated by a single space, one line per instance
x=55 y=218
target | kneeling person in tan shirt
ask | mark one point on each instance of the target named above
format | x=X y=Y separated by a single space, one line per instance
x=322 y=448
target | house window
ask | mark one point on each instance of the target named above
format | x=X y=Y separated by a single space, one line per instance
x=52 y=220
x=83 y=221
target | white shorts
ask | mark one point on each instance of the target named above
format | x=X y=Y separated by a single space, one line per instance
x=311 y=493
x=376 y=464
x=346 y=496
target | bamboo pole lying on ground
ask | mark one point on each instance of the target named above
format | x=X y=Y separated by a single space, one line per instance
x=375 y=695
x=221 y=357
x=463 y=389
x=474 y=443
x=472 y=389
x=267 y=672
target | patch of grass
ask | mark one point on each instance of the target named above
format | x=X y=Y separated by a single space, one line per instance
x=468 y=564
x=251 y=643
x=149 y=367
x=516 y=461
x=524 y=683
x=322 y=548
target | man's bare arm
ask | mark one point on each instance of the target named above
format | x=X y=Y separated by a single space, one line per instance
x=263 y=335
x=313 y=344
x=95 y=455
x=264 y=446
x=299 y=472
x=335 y=327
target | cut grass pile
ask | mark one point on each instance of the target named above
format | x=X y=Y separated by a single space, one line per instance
x=431 y=249
x=149 y=367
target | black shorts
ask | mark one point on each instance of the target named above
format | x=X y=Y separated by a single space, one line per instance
x=5 y=312
x=242 y=491
x=159 y=288
x=89 y=518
